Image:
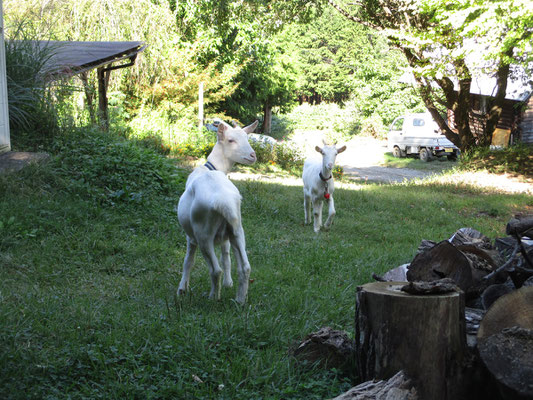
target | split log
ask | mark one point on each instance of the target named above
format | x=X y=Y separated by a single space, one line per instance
x=421 y=335
x=399 y=387
x=520 y=225
x=505 y=343
x=441 y=261
x=331 y=348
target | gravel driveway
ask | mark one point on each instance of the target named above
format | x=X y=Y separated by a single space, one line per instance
x=363 y=156
x=361 y=159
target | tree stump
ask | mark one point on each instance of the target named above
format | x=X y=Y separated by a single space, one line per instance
x=424 y=335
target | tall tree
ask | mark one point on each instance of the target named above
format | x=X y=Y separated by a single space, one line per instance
x=444 y=41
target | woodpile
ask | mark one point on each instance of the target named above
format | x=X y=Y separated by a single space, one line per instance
x=495 y=280
x=455 y=323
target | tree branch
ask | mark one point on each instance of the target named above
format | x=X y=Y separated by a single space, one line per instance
x=351 y=17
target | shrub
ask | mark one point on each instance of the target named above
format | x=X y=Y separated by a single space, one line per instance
x=338 y=172
x=373 y=127
x=288 y=156
x=111 y=169
x=517 y=159
x=33 y=117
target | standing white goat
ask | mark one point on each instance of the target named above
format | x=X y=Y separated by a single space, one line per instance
x=210 y=212
x=318 y=185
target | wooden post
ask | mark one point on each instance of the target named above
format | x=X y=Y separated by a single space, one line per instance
x=103 y=82
x=423 y=335
x=89 y=96
x=267 y=119
x=201 y=106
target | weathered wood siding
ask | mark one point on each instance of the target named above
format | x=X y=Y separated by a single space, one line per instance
x=5 y=142
x=526 y=123
x=515 y=118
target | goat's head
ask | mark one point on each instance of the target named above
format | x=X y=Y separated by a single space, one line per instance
x=234 y=142
x=329 y=153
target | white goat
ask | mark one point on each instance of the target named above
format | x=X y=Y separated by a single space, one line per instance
x=210 y=212
x=318 y=185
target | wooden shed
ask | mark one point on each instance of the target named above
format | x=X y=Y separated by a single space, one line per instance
x=69 y=59
x=516 y=122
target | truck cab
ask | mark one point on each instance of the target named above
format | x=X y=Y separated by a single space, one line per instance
x=418 y=134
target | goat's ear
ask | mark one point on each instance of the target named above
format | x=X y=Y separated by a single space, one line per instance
x=221 y=132
x=251 y=128
x=341 y=149
x=318 y=149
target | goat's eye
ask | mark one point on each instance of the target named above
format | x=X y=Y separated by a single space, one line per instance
x=231 y=141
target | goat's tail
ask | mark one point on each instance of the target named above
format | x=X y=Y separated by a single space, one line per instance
x=229 y=206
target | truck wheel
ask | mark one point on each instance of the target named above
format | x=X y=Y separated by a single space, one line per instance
x=396 y=152
x=452 y=157
x=424 y=155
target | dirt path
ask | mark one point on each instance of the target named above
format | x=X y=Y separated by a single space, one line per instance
x=363 y=156
x=361 y=160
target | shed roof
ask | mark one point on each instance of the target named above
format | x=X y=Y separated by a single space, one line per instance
x=69 y=58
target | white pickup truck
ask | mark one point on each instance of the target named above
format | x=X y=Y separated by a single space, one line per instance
x=419 y=134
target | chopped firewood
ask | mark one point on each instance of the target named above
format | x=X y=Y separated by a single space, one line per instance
x=399 y=387
x=440 y=286
x=331 y=348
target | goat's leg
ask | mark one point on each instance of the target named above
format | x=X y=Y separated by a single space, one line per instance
x=225 y=260
x=187 y=265
x=307 y=208
x=317 y=214
x=243 y=266
x=208 y=251
x=331 y=213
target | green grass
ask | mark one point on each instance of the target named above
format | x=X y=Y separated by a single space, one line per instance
x=88 y=306
x=413 y=162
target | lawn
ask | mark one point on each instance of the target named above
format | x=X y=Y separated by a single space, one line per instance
x=90 y=265
x=412 y=161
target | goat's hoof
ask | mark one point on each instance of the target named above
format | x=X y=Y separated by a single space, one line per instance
x=227 y=283
x=181 y=292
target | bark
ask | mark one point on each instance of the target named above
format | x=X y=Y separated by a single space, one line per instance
x=267 y=118
x=398 y=387
x=495 y=111
x=421 y=335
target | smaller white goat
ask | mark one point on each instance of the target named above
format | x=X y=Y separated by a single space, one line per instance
x=318 y=185
x=210 y=212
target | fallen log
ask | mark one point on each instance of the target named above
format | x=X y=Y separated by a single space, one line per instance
x=505 y=343
x=423 y=335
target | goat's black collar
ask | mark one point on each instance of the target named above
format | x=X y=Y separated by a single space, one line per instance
x=322 y=177
x=210 y=166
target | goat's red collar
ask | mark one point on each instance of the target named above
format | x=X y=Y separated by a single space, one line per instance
x=322 y=177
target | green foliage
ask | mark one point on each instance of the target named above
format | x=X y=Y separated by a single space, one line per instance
x=33 y=116
x=373 y=127
x=283 y=155
x=338 y=172
x=514 y=160
x=108 y=169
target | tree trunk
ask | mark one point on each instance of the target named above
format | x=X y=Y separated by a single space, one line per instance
x=422 y=335
x=267 y=119
x=495 y=111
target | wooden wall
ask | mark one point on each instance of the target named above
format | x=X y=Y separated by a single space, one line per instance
x=5 y=142
x=517 y=117
x=526 y=123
